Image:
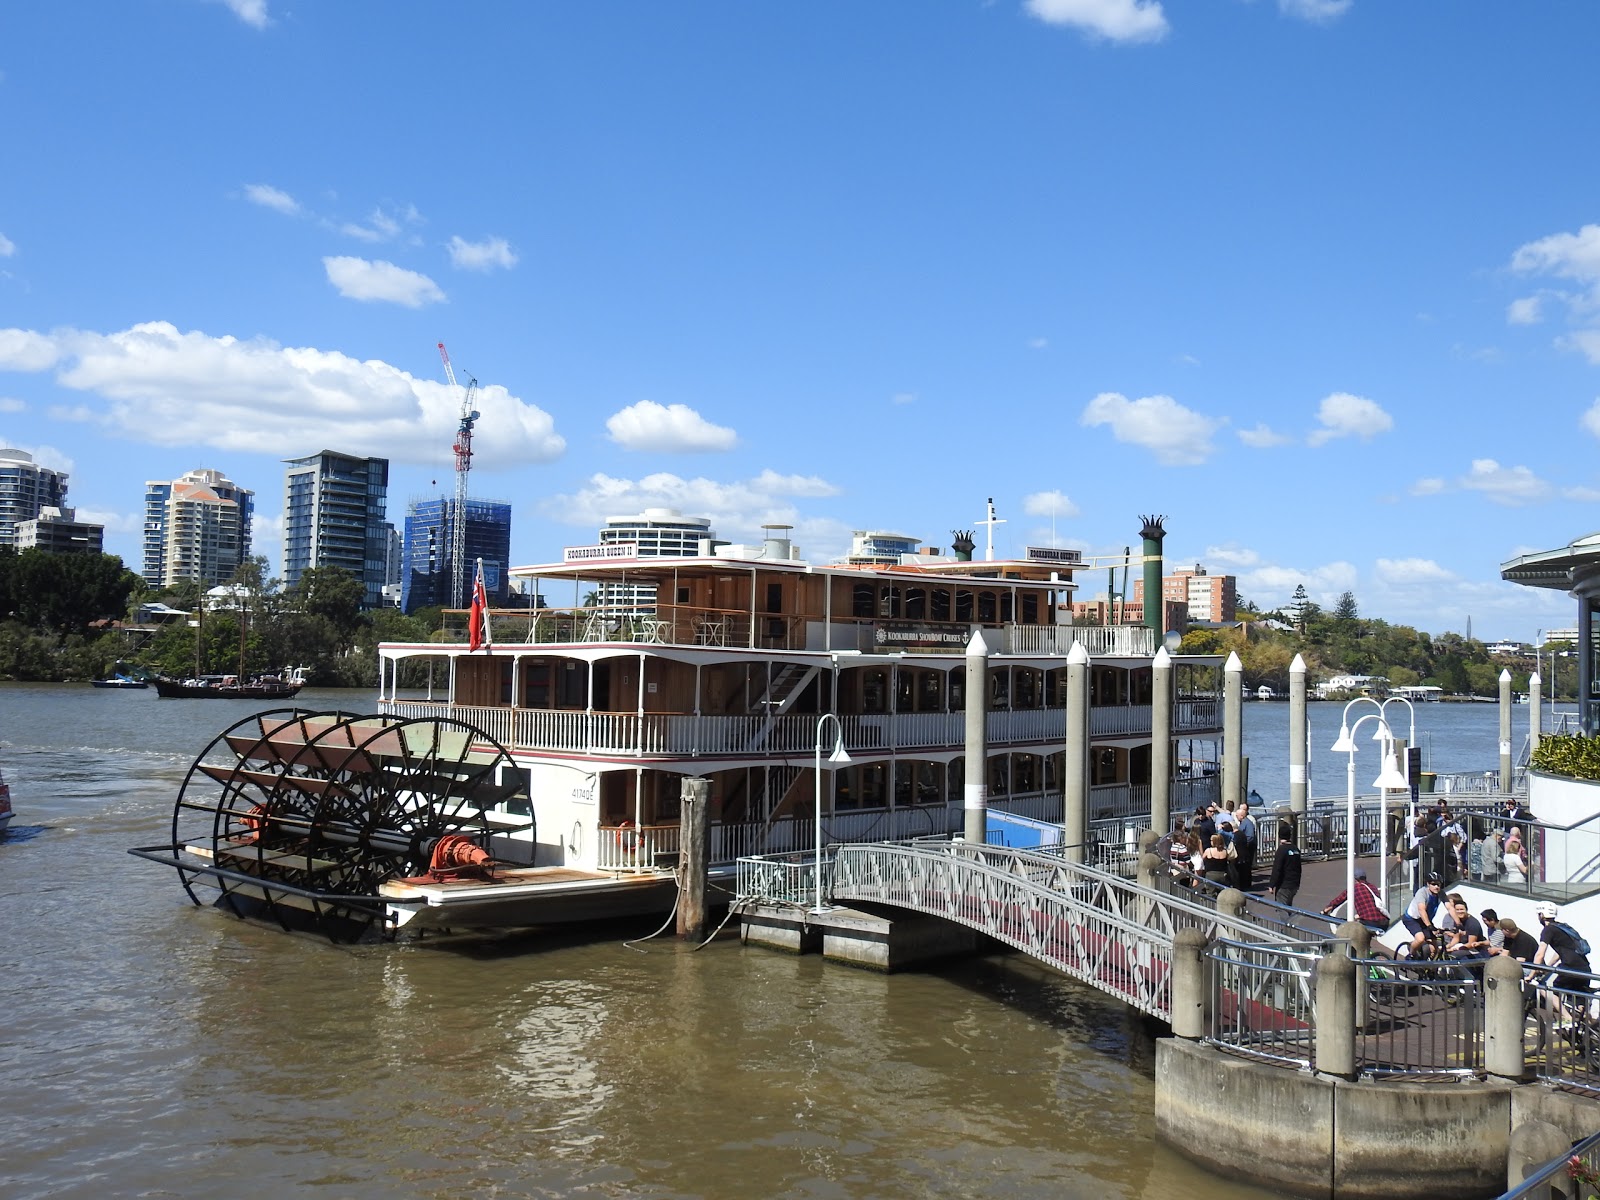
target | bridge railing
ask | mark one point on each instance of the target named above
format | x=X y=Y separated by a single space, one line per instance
x=1559 y=1178
x=1261 y=1001
x=1566 y=1027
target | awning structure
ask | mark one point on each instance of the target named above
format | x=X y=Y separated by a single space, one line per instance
x=1574 y=567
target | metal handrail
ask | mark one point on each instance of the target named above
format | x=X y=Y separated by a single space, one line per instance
x=1262 y=1001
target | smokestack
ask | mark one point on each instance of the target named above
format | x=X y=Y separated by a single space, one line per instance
x=1153 y=533
x=961 y=544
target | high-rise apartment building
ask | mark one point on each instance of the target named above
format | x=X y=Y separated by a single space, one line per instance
x=58 y=531
x=25 y=488
x=333 y=516
x=195 y=527
x=427 y=577
x=654 y=533
x=1209 y=597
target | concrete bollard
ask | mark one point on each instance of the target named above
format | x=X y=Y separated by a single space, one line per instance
x=1147 y=840
x=1191 y=988
x=1533 y=1144
x=1503 y=1019
x=1336 y=1016
x=1360 y=939
x=1230 y=903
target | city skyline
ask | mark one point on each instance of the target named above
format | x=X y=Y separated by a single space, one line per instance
x=1319 y=279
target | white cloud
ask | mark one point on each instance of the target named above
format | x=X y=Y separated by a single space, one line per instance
x=1585 y=495
x=114 y=522
x=1574 y=256
x=382 y=225
x=481 y=256
x=1054 y=503
x=1431 y=486
x=45 y=456
x=1232 y=556
x=1263 y=437
x=671 y=428
x=1525 y=311
x=7 y=246
x=10 y=404
x=1273 y=586
x=268 y=196
x=1038 y=343
x=252 y=12
x=1177 y=436
x=1114 y=20
x=1314 y=10
x=359 y=279
x=903 y=398
x=1399 y=572
x=167 y=388
x=1504 y=485
x=1344 y=415
x=737 y=509
x=26 y=350
x=1590 y=419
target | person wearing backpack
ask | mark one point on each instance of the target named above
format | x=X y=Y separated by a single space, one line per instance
x=1561 y=946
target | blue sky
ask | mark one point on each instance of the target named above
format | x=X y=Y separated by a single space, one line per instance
x=1317 y=279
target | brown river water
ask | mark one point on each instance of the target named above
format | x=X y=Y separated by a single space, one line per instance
x=149 y=1048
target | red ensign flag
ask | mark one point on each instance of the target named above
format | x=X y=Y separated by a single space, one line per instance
x=478 y=619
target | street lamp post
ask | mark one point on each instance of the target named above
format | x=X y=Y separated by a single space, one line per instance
x=1387 y=777
x=838 y=758
x=1383 y=794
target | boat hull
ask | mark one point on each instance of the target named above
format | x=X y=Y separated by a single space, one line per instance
x=119 y=683
x=177 y=689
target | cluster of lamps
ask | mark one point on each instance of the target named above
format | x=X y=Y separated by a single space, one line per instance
x=1389 y=777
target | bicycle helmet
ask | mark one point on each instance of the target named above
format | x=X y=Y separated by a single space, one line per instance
x=1546 y=911
x=1435 y=877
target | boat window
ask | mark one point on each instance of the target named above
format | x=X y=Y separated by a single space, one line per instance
x=1104 y=766
x=916 y=604
x=1141 y=684
x=929 y=776
x=956 y=777
x=1000 y=688
x=1055 y=688
x=874 y=691
x=1030 y=608
x=1052 y=772
x=986 y=609
x=941 y=604
x=905 y=690
x=999 y=776
x=1027 y=688
x=889 y=602
x=958 y=691
x=683 y=595
x=774 y=597
x=845 y=794
x=928 y=698
x=861 y=600
x=1024 y=774
x=905 y=784
x=1007 y=607
x=963 y=604
x=865 y=786
x=536 y=684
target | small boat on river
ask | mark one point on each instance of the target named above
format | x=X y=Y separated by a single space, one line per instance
x=282 y=686
x=5 y=806
x=120 y=681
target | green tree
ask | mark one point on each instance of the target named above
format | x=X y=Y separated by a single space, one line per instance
x=1345 y=609
x=333 y=594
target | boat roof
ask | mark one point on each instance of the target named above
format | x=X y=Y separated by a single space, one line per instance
x=1051 y=575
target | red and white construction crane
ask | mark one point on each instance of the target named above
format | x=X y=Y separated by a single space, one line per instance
x=458 y=514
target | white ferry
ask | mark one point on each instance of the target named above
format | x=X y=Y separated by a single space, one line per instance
x=730 y=666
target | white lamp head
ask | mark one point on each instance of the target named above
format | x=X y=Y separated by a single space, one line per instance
x=1382 y=733
x=1345 y=744
x=839 y=758
x=1390 y=778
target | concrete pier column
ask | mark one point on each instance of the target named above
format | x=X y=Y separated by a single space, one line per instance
x=1336 y=1016
x=1505 y=731
x=1151 y=873
x=1503 y=1020
x=975 y=792
x=1161 y=742
x=1075 y=760
x=1360 y=939
x=1191 y=991
x=1299 y=782
x=1232 y=730
x=1535 y=710
x=1532 y=1144
x=1230 y=903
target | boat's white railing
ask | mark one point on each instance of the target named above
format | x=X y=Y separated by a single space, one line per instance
x=568 y=731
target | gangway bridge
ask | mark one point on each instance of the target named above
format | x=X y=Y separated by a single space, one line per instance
x=1112 y=933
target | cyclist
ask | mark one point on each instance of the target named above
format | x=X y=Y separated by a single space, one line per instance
x=1419 y=913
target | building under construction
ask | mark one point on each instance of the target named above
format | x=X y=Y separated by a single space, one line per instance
x=427 y=577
